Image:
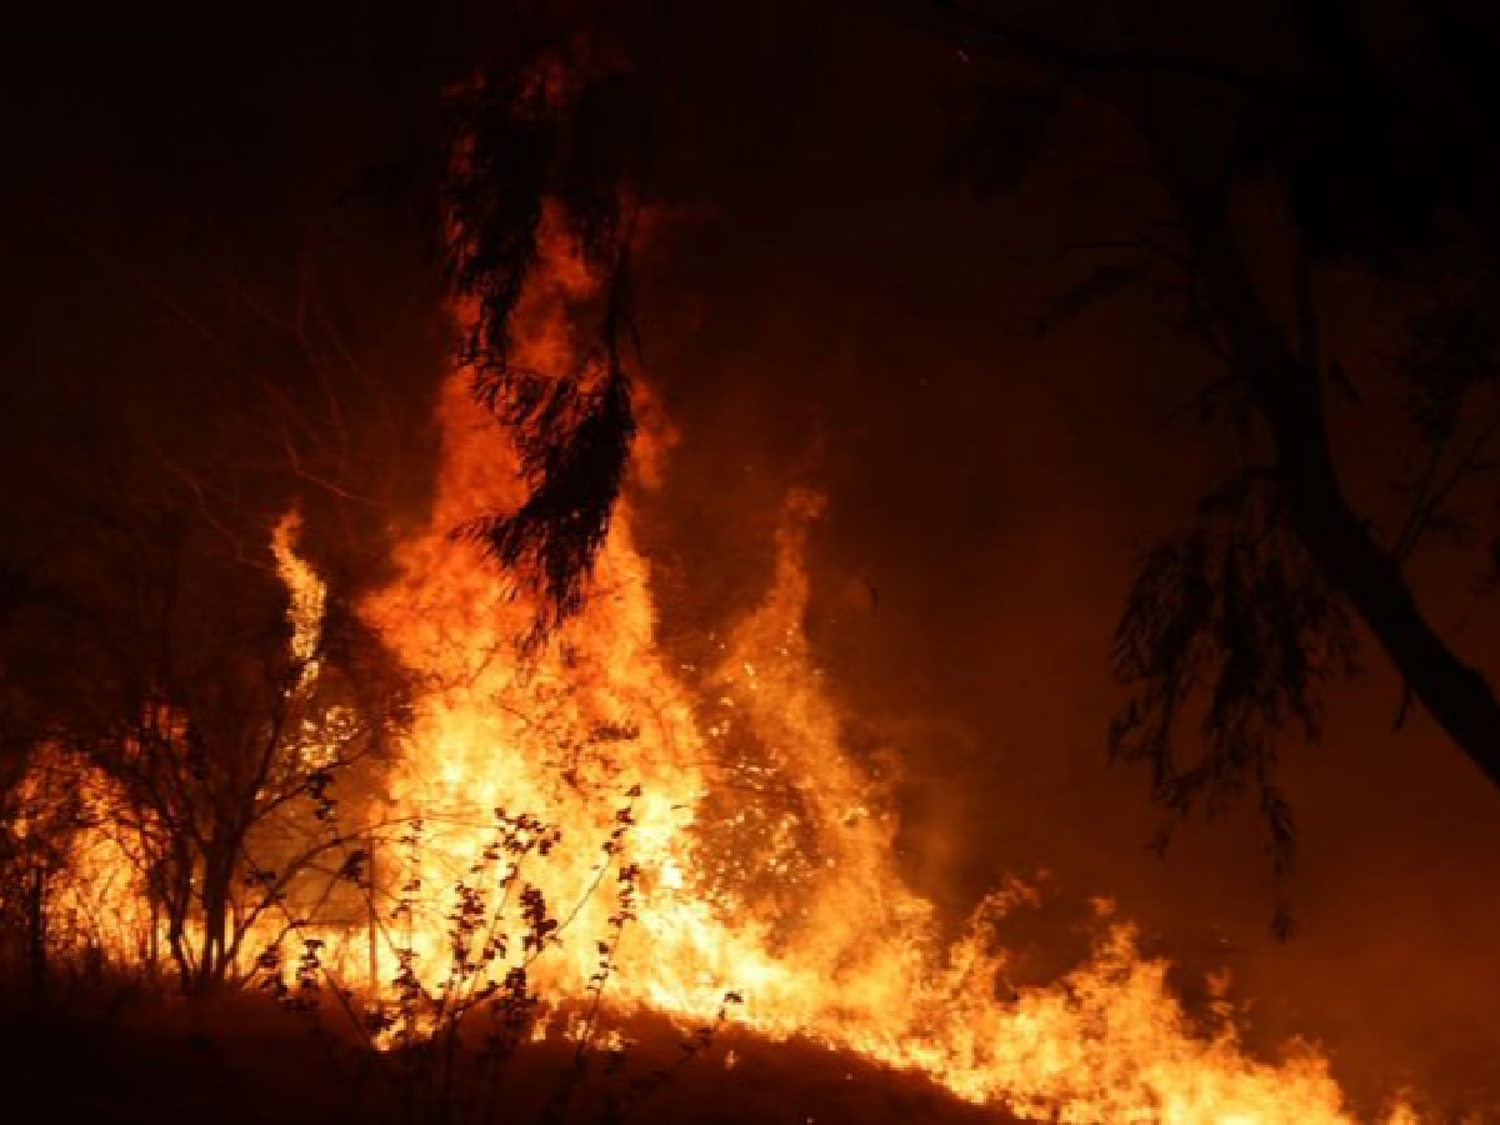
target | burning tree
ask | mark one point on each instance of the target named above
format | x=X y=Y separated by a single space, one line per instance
x=37 y=816
x=200 y=743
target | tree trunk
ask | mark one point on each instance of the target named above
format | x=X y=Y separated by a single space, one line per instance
x=1288 y=394
x=1194 y=161
x=173 y=879
x=1454 y=693
x=36 y=930
x=218 y=875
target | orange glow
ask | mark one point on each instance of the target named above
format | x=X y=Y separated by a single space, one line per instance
x=760 y=854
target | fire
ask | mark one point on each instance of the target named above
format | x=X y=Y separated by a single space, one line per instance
x=63 y=822
x=758 y=855
x=307 y=596
x=691 y=841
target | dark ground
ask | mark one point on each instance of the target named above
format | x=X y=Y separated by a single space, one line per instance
x=125 y=1058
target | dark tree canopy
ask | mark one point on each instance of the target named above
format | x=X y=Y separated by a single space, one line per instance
x=1370 y=158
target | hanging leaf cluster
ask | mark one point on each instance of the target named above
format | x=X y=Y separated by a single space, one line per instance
x=551 y=143
x=1228 y=628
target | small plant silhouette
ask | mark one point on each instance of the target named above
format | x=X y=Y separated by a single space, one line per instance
x=443 y=1038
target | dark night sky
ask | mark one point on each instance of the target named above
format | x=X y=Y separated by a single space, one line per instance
x=830 y=312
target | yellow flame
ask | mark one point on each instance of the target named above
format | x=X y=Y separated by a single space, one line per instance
x=307 y=595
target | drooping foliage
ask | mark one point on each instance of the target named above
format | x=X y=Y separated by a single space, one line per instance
x=1229 y=629
x=553 y=146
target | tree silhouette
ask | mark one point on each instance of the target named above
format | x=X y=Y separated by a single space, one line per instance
x=1245 y=616
x=549 y=140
